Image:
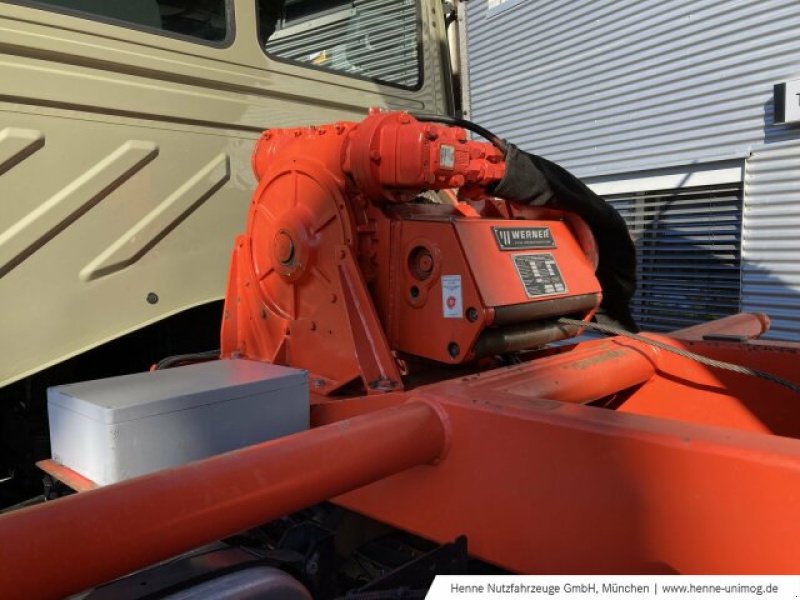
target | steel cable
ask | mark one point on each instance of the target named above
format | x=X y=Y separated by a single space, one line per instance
x=704 y=360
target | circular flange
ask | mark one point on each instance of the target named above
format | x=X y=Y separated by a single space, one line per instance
x=297 y=219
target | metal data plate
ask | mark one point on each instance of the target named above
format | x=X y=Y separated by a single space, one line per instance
x=539 y=274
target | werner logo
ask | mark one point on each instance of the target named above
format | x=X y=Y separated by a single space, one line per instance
x=523 y=238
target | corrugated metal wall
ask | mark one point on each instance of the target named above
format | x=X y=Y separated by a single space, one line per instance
x=614 y=87
x=771 y=245
x=608 y=87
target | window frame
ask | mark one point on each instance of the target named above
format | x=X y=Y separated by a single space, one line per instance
x=354 y=76
x=227 y=42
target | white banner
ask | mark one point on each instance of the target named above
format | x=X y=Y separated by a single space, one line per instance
x=630 y=587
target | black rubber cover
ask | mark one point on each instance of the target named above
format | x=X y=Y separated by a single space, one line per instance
x=531 y=179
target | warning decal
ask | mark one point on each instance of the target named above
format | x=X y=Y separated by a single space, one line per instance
x=539 y=274
x=452 y=306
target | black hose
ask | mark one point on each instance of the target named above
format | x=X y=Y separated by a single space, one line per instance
x=180 y=359
x=498 y=143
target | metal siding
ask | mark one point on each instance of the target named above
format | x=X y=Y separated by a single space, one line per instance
x=610 y=87
x=770 y=249
x=613 y=87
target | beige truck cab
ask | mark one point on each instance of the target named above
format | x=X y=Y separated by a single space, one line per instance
x=126 y=130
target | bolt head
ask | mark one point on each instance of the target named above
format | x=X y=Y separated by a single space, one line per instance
x=453 y=349
x=284 y=247
x=456 y=180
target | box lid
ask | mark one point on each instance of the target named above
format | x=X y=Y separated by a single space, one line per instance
x=131 y=397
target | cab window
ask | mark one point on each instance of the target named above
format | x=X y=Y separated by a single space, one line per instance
x=205 y=20
x=372 y=39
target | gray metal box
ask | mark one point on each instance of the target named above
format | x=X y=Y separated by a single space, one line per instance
x=113 y=429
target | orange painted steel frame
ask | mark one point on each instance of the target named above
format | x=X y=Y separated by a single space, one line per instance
x=606 y=456
x=110 y=531
x=676 y=479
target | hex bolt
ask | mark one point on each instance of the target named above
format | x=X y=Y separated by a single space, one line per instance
x=284 y=248
x=426 y=262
